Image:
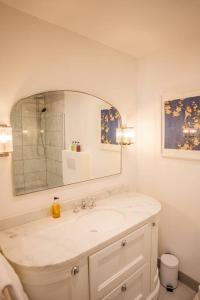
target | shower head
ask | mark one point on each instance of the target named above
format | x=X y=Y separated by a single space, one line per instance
x=44 y=109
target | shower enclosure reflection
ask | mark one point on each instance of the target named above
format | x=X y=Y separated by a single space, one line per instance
x=44 y=126
x=38 y=138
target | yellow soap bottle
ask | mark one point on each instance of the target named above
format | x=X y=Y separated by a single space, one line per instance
x=55 y=208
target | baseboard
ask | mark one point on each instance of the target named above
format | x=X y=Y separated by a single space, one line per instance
x=187 y=280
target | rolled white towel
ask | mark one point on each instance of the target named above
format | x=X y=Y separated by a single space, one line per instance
x=197 y=297
x=8 y=278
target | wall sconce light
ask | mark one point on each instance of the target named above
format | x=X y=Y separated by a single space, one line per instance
x=6 y=145
x=125 y=135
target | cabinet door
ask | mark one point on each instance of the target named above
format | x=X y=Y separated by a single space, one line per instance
x=60 y=283
x=134 y=288
x=116 y=262
x=61 y=290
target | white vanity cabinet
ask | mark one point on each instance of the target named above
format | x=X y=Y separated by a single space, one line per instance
x=124 y=270
x=60 y=283
x=85 y=264
x=123 y=263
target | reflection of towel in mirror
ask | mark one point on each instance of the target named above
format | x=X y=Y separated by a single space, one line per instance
x=197 y=297
x=8 y=278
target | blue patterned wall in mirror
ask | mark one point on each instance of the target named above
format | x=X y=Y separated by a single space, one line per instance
x=110 y=121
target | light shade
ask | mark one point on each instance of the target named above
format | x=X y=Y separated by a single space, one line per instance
x=6 y=145
x=125 y=135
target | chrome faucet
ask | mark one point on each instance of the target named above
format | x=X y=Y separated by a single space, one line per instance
x=89 y=203
x=83 y=204
x=92 y=202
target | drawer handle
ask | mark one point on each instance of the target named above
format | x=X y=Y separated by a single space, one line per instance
x=124 y=288
x=124 y=242
x=75 y=270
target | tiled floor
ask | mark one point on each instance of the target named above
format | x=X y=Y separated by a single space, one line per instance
x=181 y=293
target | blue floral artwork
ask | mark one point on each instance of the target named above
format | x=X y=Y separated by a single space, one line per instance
x=110 y=121
x=182 y=124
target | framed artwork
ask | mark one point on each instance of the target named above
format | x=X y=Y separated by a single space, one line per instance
x=110 y=120
x=181 y=126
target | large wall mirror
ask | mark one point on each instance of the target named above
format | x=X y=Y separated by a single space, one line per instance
x=63 y=137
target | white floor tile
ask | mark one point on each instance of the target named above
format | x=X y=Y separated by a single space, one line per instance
x=181 y=293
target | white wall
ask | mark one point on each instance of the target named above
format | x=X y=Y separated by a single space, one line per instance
x=36 y=56
x=174 y=182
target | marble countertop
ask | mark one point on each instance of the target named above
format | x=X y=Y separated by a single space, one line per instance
x=51 y=242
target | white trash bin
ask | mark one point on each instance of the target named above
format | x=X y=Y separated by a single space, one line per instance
x=169 y=271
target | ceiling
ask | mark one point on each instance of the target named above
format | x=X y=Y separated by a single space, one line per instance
x=136 y=27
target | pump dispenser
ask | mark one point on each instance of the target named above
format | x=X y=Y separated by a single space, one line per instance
x=55 y=208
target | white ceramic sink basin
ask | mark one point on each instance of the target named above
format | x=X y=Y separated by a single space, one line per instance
x=101 y=220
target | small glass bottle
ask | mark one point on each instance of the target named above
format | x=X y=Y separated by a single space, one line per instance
x=78 y=147
x=55 y=208
x=73 y=146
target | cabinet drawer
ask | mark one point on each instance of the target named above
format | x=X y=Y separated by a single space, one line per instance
x=113 y=264
x=136 y=287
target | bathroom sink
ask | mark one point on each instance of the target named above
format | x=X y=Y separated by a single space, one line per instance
x=101 y=220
